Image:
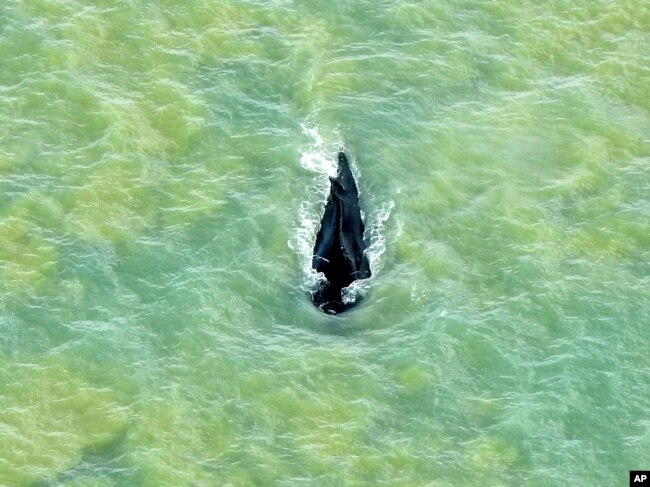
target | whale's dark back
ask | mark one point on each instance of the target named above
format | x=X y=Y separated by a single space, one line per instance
x=339 y=249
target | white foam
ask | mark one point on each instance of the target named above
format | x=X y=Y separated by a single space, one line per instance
x=302 y=242
x=319 y=157
x=375 y=230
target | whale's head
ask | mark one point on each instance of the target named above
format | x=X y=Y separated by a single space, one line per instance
x=344 y=183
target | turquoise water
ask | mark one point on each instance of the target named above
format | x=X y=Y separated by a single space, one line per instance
x=163 y=168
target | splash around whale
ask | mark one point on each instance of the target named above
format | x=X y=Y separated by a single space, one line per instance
x=339 y=252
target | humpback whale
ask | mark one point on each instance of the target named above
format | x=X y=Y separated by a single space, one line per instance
x=339 y=249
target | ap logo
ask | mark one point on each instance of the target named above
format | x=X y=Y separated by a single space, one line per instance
x=639 y=478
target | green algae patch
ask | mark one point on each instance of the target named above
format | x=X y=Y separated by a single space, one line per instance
x=193 y=196
x=600 y=242
x=489 y=457
x=175 y=113
x=112 y=204
x=416 y=378
x=90 y=482
x=49 y=418
x=27 y=260
x=308 y=428
x=175 y=443
x=432 y=258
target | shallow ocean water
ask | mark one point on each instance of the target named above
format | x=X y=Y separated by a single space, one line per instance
x=163 y=169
